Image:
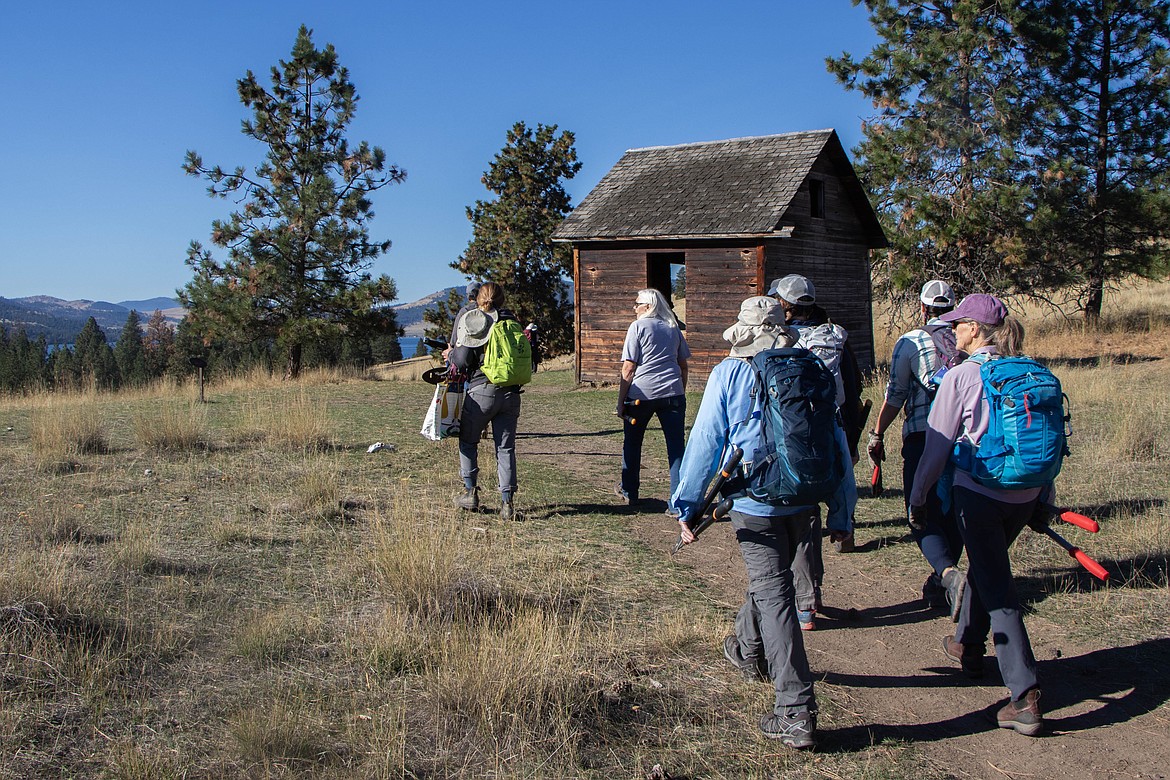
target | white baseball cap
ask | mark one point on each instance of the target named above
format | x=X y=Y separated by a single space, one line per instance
x=937 y=293
x=794 y=288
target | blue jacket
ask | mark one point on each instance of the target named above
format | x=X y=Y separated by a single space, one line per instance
x=725 y=416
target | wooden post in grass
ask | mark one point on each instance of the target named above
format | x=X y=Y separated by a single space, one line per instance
x=199 y=363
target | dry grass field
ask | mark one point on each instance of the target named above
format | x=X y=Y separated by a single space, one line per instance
x=237 y=589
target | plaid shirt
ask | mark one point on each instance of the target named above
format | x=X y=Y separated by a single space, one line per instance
x=913 y=362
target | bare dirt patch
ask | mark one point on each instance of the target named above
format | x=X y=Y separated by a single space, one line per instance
x=877 y=649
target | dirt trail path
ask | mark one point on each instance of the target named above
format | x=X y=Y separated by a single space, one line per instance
x=877 y=653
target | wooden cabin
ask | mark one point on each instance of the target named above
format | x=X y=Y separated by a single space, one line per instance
x=736 y=214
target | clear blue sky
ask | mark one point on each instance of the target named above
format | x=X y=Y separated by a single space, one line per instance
x=102 y=100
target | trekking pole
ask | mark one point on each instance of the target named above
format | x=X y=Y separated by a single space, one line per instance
x=701 y=519
x=875 y=483
x=1074 y=518
x=1094 y=568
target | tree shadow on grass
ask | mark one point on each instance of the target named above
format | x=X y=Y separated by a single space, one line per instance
x=1125 y=682
x=1110 y=509
x=535 y=435
x=1138 y=572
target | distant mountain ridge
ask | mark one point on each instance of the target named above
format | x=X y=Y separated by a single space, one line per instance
x=410 y=315
x=60 y=321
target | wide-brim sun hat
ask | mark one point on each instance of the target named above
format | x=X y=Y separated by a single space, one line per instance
x=980 y=307
x=473 y=328
x=761 y=309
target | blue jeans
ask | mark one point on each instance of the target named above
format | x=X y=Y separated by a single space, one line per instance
x=939 y=541
x=672 y=413
x=843 y=502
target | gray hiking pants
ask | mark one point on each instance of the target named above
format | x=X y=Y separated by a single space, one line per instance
x=766 y=624
x=501 y=407
x=808 y=565
x=992 y=605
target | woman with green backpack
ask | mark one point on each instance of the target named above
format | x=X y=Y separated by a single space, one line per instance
x=990 y=514
x=491 y=397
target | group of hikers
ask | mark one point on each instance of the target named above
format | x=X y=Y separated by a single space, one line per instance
x=786 y=402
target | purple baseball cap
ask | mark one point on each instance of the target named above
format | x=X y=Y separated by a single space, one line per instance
x=980 y=307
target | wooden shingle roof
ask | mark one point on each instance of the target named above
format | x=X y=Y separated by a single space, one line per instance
x=735 y=188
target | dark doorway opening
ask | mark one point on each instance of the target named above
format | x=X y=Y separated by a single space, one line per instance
x=663 y=270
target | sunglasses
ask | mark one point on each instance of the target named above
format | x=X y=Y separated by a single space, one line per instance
x=957 y=323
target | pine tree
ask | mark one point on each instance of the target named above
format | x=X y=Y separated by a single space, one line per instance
x=512 y=235
x=298 y=251
x=93 y=360
x=940 y=156
x=158 y=345
x=420 y=349
x=1099 y=128
x=128 y=353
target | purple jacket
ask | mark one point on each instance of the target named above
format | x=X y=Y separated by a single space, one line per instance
x=958 y=411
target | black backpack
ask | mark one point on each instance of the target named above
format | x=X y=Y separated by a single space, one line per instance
x=799 y=461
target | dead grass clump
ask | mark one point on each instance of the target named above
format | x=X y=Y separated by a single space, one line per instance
x=518 y=686
x=172 y=427
x=281 y=733
x=276 y=636
x=129 y=761
x=62 y=430
x=319 y=488
x=299 y=422
x=409 y=370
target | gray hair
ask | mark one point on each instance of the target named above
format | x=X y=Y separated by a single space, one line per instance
x=659 y=308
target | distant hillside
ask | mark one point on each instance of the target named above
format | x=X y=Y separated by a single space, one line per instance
x=60 y=321
x=410 y=315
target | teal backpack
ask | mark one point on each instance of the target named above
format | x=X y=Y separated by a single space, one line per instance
x=1027 y=434
x=507 y=357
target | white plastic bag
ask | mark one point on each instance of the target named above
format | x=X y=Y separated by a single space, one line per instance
x=442 y=419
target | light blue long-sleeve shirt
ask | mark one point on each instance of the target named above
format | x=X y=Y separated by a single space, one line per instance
x=725 y=417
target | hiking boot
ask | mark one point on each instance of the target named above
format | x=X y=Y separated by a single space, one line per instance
x=506 y=511
x=968 y=657
x=1022 y=716
x=954 y=582
x=469 y=500
x=934 y=594
x=798 y=732
x=807 y=618
x=753 y=669
x=843 y=543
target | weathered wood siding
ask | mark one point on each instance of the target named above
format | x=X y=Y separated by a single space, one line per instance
x=832 y=252
x=608 y=279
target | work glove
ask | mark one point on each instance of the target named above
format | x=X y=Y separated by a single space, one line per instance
x=918 y=517
x=876 y=448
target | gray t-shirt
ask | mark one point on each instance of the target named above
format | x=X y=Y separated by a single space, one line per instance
x=656 y=348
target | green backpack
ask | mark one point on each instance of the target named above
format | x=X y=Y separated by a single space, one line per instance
x=507 y=357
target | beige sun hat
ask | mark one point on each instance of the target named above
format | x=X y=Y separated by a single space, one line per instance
x=759 y=326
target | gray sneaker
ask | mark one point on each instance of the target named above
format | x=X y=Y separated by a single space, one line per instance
x=798 y=732
x=954 y=582
x=468 y=500
x=753 y=669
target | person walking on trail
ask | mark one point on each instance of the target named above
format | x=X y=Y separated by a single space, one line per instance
x=920 y=357
x=485 y=403
x=472 y=303
x=653 y=378
x=767 y=642
x=989 y=518
x=797 y=297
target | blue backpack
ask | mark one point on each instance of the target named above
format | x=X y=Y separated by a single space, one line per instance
x=1027 y=434
x=799 y=461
